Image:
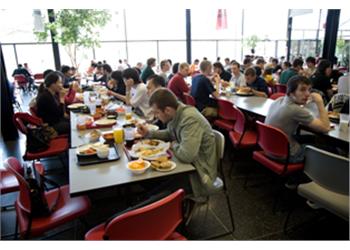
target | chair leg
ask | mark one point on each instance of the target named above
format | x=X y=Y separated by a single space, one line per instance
x=16 y=229
x=287 y=219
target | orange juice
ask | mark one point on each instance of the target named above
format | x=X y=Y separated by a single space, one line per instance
x=128 y=116
x=118 y=135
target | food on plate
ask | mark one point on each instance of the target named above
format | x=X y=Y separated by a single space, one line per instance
x=333 y=115
x=162 y=163
x=87 y=151
x=136 y=165
x=120 y=110
x=244 y=91
x=94 y=135
x=108 y=136
x=151 y=142
x=150 y=152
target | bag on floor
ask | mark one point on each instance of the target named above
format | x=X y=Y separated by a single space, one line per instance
x=37 y=185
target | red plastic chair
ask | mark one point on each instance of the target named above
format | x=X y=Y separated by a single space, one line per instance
x=275 y=144
x=276 y=96
x=67 y=208
x=38 y=79
x=281 y=88
x=189 y=100
x=57 y=146
x=156 y=221
x=227 y=115
x=240 y=136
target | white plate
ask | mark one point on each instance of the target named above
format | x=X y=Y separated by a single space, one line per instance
x=85 y=147
x=76 y=105
x=105 y=122
x=166 y=169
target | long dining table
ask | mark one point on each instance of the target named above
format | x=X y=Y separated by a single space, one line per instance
x=261 y=105
x=84 y=179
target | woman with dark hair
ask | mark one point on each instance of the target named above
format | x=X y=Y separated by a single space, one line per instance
x=116 y=83
x=219 y=69
x=50 y=108
x=135 y=93
x=174 y=70
x=321 y=79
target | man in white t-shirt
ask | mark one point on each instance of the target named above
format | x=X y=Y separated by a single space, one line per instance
x=237 y=78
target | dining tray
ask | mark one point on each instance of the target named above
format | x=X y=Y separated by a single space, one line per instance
x=94 y=159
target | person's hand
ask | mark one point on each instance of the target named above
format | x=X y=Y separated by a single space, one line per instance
x=225 y=84
x=142 y=130
x=109 y=92
x=317 y=98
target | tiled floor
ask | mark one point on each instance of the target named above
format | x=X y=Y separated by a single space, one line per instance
x=252 y=206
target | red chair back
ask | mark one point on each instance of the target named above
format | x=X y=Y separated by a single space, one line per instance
x=39 y=76
x=21 y=119
x=273 y=141
x=189 y=100
x=276 y=96
x=23 y=200
x=156 y=221
x=281 y=88
x=20 y=79
x=226 y=110
x=240 y=121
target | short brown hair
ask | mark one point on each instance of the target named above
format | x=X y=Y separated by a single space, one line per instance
x=250 y=72
x=204 y=65
x=295 y=81
x=163 y=98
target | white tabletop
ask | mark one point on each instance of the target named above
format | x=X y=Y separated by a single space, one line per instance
x=261 y=106
x=114 y=173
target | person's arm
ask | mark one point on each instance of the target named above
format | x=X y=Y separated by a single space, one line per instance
x=163 y=134
x=259 y=93
x=138 y=97
x=214 y=91
x=322 y=123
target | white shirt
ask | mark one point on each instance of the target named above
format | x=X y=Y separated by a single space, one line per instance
x=238 y=81
x=139 y=99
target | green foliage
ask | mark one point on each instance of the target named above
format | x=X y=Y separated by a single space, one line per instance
x=252 y=41
x=75 y=28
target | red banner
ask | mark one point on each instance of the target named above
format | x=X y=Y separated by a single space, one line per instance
x=221 y=20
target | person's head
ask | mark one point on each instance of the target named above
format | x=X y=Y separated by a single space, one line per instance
x=250 y=75
x=19 y=66
x=218 y=68
x=116 y=78
x=247 y=62
x=151 y=62
x=66 y=70
x=205 y=67
x=164 y=104
x=107 y=69
x=120 y=61
x=154 y=82
x=298 y=64
x=99 y=69
x=286 y=65
x=131 y=77
x=164 y=66
x=257 y=70
x=170 y=62
x=235 y=68
x=196 y=62
x=25 y=65
x=184 y=69
x=324 y=67
x=298 y=88
x=274 y=62
x=175 y=68
x=139 y=65
x=46 y=72
x=53 y=82
x=227 y=61
x=311 y=62
x=205 y=58
x=218 y=59
x=260 y=63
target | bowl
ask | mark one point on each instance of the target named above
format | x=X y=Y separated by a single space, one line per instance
x=103 y=152
x=137 y=168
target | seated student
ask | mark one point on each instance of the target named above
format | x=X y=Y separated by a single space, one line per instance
x=219 y=69
x=296 y=68
x=255 y=83
x=148 y=71
x=135 y=94
x=23 y=71
x=106 y=71
x=67 y=76
x=155 y=82
x=237 y=78
x=98 y=75
x=287 y=112
x=116 y=83
x=174 y=70
x=49 y=107
x=202 y=88
x=191 y=136
x=177 y=84
x=321 y=79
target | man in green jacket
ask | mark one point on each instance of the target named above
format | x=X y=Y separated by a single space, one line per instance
x=191 y=136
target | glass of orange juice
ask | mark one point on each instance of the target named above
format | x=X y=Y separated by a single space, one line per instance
x=118 y=135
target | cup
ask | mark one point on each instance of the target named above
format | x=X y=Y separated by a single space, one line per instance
x=92 y=107
x=343 y=121
x=118 y=135
x=129 y=133
x=128 y=113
